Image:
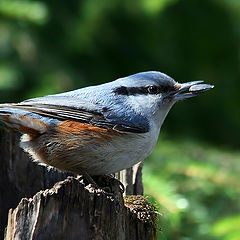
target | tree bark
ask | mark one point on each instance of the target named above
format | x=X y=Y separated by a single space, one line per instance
x=132 y=179
x=70 y=210
x=66 y=210
x=19 y=176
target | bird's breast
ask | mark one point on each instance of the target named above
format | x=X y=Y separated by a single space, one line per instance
x=72 y=146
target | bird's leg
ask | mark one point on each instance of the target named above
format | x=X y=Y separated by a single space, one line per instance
x=112 y=177
x=88 y=178
x=91 y=181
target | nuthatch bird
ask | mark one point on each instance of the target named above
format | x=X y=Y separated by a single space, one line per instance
x=101 y=129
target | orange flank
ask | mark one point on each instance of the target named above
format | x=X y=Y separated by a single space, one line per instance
x=78 y=128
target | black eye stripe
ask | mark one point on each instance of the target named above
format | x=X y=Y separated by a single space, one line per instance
x=121 y=90
x=131 y=90
x=142 y=90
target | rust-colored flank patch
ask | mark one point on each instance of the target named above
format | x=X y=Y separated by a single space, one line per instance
x=81 y=128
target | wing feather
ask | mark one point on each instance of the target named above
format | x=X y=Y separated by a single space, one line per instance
x=94 y=118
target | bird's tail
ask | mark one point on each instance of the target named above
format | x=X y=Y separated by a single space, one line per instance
x=21 y=120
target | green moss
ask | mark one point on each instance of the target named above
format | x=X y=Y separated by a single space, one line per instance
x=144 y=210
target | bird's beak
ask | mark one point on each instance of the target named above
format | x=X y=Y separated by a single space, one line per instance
x=189 y=89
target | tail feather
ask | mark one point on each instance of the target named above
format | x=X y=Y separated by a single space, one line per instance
x=21 y=120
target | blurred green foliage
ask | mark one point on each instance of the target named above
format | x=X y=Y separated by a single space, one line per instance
x=52 y=46
x=35 y=12
x=197 y=187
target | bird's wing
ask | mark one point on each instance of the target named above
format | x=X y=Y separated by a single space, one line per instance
x=95 y=118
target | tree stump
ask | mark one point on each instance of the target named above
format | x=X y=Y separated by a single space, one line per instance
x=55 y=205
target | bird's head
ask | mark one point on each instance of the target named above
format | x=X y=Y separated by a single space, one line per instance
x=152 y=94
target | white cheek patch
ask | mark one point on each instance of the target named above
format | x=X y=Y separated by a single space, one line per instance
x=143 y=104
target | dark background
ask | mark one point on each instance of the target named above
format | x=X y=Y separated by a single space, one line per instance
x=52 y=46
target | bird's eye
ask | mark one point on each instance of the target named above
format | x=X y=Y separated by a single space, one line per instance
x=153 y=89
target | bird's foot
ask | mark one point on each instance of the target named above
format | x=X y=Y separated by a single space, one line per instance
x=103 y=184
x=111 y=178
